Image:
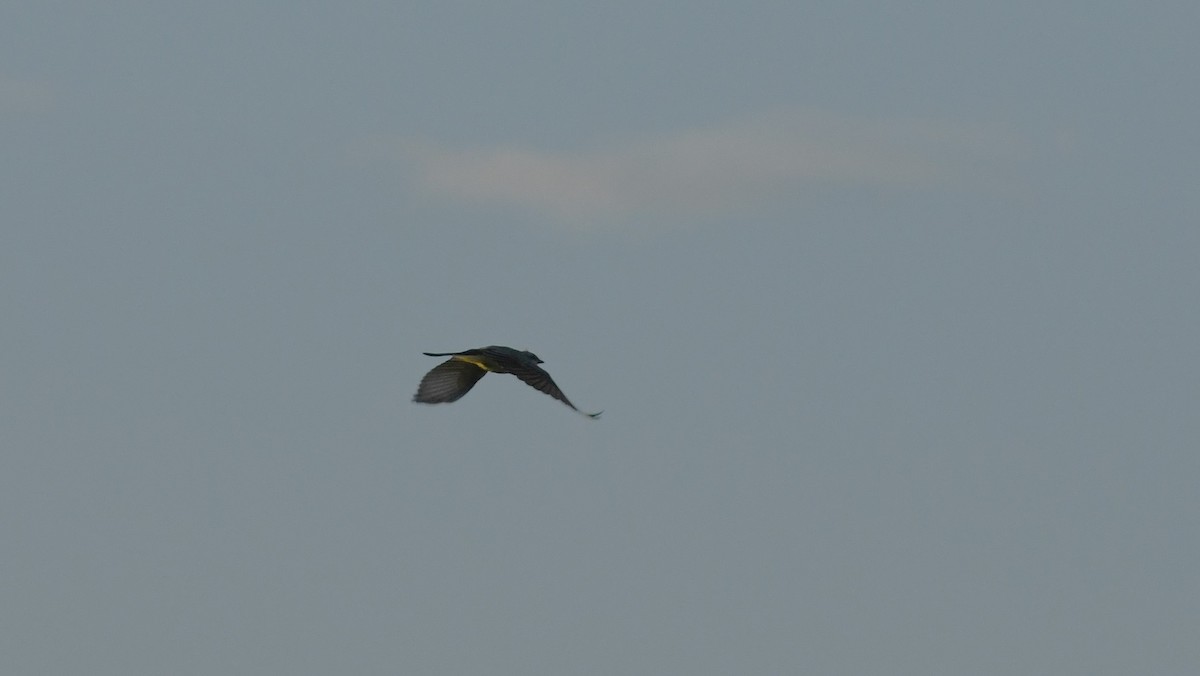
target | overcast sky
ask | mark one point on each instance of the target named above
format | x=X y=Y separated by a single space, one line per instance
x=893 y=310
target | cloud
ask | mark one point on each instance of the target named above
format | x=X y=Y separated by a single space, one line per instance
x=724 y=168
x=24 y=96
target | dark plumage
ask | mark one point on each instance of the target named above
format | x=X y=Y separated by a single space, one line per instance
x=453 y=378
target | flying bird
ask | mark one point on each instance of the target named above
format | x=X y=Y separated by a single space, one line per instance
x=453 y=378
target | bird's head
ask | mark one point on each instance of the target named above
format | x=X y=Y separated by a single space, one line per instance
x=532 y=357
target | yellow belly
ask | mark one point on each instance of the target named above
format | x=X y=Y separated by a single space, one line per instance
x=472 y=359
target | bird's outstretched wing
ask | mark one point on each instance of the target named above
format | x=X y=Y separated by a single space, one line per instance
x=538 y=379
x=447 y=382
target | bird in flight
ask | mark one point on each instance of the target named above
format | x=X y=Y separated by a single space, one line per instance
x=453 y=378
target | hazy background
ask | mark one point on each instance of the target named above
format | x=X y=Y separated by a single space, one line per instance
x=893 y=309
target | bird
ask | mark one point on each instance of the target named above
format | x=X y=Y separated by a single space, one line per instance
x=453 y=378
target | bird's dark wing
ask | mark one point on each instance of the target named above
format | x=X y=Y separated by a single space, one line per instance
x=450 y=354
x=447 y=382
x=538 y=379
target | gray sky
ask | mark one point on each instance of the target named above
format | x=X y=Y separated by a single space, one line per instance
x=892 y=309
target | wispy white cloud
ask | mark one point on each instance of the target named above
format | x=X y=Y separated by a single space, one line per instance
x=770 y=157
x=24 y=96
